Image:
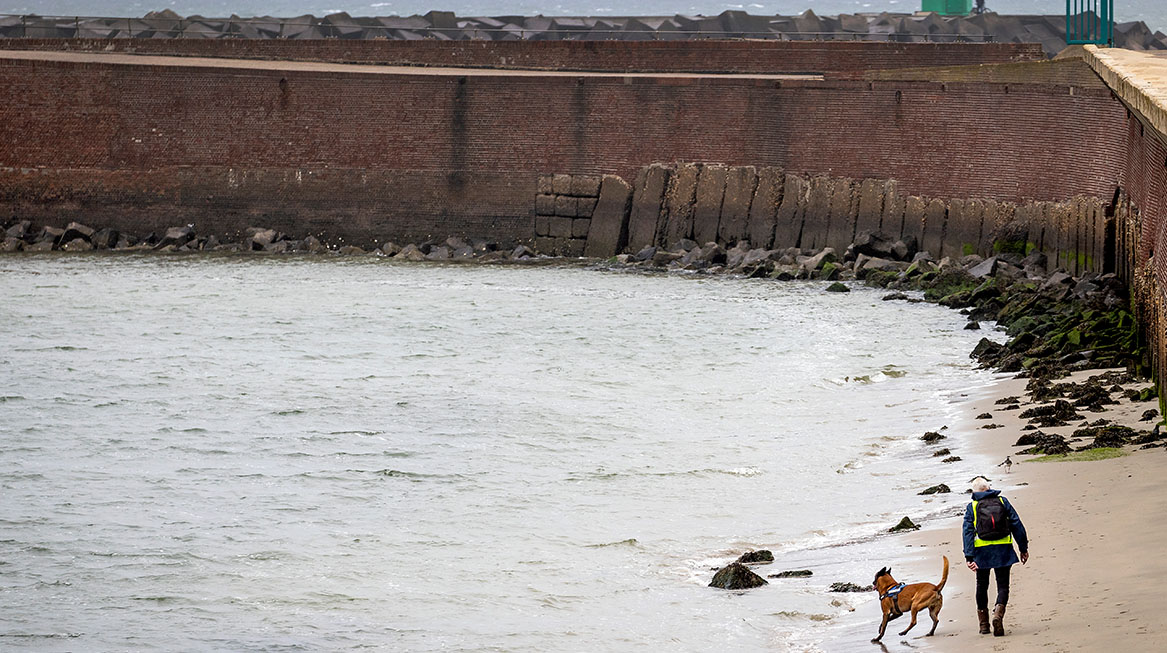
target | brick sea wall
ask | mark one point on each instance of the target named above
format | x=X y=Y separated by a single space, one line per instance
x=362 y=156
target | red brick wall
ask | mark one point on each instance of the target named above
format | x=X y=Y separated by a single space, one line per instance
x=622 y=56
x=408 y=155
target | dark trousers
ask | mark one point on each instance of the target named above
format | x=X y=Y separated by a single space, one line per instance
x=983 y=587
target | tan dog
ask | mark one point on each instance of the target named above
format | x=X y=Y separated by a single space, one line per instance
x=914 y=597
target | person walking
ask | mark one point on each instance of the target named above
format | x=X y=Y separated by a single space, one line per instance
x=991 y=525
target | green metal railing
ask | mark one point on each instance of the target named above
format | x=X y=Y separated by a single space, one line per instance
x=1090 y=21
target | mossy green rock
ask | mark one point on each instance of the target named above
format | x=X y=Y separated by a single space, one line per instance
x=838 y=287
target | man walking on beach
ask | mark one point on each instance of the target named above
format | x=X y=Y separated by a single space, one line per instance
x=990 y=526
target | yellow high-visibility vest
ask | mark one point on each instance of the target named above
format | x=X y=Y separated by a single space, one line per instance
x=1008 y=539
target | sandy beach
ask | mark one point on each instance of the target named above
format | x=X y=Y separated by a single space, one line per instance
x=1096 y=573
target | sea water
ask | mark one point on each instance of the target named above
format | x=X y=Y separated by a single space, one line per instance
x=267 y=454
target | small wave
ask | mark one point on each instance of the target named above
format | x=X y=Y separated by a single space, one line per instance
x=632 y=541
x=800 y=616
x=7 y=398
x=356 y=433
x=41 y=635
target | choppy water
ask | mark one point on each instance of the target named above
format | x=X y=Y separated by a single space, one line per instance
x=1153 y=12
x=302 y=454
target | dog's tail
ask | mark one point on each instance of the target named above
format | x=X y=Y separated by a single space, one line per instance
x=944 y=576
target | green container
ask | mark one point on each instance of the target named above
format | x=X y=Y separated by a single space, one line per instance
x=948 y=7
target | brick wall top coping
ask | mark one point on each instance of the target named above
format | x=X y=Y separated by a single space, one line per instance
x=809 y=81
x=370 y=69
x=1139 y=78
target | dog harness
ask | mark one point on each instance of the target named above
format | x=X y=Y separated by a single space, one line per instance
x=893 y=593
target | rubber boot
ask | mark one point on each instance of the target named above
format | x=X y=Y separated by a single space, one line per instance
x=983 y=615
x=998 y=620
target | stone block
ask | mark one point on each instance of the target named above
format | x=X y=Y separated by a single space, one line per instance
x=892 y=221
x=963 y=234
x=791 y=211
x=914 y=210
x=561 y=184
x=579 y=227
x=585 y=185
x=872 y=195
x=585 y=206
x=559 y=227
x=707 y=211
x=542 y=225
x=608 y=232
x=764 y=208
x=816 y=221
x=935 y=216
x=740 y=184
x=573 y=247
x=565 y=206
x=544 y=185
x=647 y=198
x=842 y=211
x=544 y=205
x=679 y=203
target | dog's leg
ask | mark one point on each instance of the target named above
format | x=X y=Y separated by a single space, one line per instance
x=915 y=610
x=934 y=612
x=882 y=627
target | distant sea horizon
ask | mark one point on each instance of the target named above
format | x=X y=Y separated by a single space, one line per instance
x=1152 y=12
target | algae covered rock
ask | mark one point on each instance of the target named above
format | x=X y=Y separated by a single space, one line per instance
x=850 y=587
x=936 y=489
x=906 y=524
x=761 y=556
x=736 y=576
x=838 y=287
x=792 y=573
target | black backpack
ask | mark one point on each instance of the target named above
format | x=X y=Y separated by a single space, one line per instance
x=992 y=520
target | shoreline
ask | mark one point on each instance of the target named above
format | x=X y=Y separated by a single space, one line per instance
x=1094 y=576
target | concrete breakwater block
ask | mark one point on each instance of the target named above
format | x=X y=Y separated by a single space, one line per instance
x=680 y=200
x=647 y=198
x=672 y=204
x=764 y=208
x=608 y=231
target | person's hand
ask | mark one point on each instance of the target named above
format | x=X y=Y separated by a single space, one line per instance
x=972 y=565
x=1025 y=557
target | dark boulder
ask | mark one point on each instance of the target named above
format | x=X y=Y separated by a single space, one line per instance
x=838 y=287
x=951 y=459
x=1049 y=444
x=905 y=524
x=1058 y=413
x=1112 y=435
x=985 y=416
x=75 y=230
x=932 y=436
x=20 y=230
x=937 y=489
x=736 y=576
x=645 y=254
x=1149 y=415
x=756 y=557
x=176 y=236
x=792 y=573
x=106 y=238
x=849 y=587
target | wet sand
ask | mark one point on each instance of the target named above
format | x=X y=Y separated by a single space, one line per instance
x=1096 y=573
